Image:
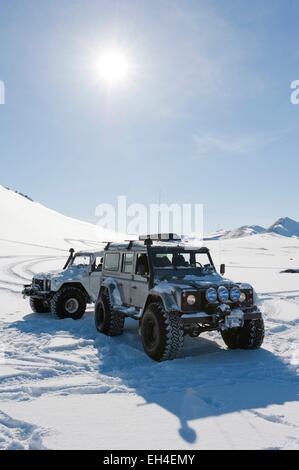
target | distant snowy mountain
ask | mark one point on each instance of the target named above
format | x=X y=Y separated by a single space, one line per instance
x=284 y=226
x=244 y=231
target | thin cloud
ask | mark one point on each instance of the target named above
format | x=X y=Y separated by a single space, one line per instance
x=212 y=145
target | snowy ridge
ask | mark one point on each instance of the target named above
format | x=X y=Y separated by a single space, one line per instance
x=244 y=231
x=25 y=221
x=284 y=226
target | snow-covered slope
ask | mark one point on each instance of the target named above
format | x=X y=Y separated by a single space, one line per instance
x=25 y=221
x=63 y=385
x=284 y=226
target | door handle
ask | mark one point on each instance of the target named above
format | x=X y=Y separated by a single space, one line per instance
x=134 y=287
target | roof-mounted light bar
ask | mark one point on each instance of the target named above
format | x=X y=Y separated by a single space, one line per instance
x=161 y=237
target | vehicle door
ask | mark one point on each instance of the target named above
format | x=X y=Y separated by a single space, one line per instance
x=95 y=277
x=140 y=282
x=125 y=277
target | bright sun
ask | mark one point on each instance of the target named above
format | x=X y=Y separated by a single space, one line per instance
x=114 y=67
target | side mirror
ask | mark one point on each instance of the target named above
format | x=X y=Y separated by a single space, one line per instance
x=222 y=269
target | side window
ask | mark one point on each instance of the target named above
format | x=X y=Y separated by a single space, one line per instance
x=111 y=261
x=99 y=263
x=142 y=268
x=127 y=266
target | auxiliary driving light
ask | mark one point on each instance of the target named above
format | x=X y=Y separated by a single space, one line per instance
x=211 y=295
x=235 y=294
x=223 y=294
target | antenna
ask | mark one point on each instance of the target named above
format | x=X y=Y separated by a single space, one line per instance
x=159 y=213
x=220 y=248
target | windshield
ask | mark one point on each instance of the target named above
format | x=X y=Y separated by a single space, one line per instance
x=182 y=262
x=81 y=260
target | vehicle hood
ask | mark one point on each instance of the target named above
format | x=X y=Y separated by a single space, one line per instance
x=194 y=282
x=71 y=273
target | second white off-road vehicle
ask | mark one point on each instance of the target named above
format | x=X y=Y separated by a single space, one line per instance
x=66 y=293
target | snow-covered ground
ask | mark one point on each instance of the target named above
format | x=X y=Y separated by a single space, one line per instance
x=62 y=385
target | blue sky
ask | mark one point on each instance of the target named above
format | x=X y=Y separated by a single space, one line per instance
x=206 y=117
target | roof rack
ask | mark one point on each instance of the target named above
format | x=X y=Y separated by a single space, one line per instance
x=130 y=243
x=148 y=240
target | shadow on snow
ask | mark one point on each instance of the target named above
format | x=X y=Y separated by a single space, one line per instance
x=206 y=380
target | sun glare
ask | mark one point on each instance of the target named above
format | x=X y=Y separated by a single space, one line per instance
x=114 y=67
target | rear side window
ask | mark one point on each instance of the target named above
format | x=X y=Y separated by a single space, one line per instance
x=142 y=268
x=128 y=263
x=111 y=261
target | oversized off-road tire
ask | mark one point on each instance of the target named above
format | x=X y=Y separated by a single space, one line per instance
x=107 y=320
x=39 y=305
x=250 y=336
x=69 y=302
x=162 y=333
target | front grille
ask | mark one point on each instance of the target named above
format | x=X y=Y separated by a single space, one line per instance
x=39 y=283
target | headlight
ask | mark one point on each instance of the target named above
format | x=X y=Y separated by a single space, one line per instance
x=190 y=299
x=223 y=294
x=211 y=295
x=235 y=294
x=48 y=284
x=243 y=297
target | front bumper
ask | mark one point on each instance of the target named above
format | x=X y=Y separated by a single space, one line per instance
x=223 y=316
x=34 y=291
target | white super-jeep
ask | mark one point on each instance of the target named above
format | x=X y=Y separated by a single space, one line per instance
x=66 y=293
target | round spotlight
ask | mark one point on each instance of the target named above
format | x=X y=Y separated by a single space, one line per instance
x=223 y=294
x=235 y=294
x=211 y=295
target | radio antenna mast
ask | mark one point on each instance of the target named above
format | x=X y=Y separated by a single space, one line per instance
x=159 y=212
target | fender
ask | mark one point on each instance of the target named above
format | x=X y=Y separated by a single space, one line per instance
x=167 y=298
x=114 y=292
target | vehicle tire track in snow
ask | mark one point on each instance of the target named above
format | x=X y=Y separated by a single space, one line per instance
x=65 y=250
x=29 y=268
x=276 y=419
x=22 y=270
x=86 y=243
x=49 y=357
x=19 y=435
x=8 y=289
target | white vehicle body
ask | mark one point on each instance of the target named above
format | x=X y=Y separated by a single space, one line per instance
x=87 y=275
x=67 y=291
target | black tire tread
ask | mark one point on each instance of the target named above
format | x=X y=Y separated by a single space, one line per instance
x=174 y=332
x=250 y=336
x=39 y=305
x=54 y=303
x=115 y=320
